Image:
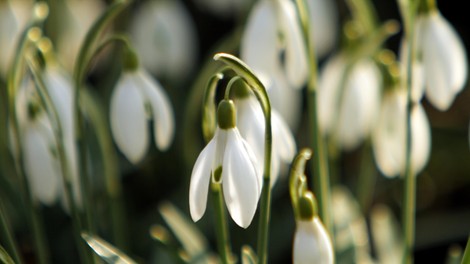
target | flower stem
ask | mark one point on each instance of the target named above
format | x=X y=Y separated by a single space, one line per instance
x=262 y=96
x=320 y=161
x=409 y=197
x=223 y=241
x=13 y=82
x=85 y=55
x=6 y=232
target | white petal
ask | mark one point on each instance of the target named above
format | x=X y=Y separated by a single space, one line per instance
x=240 y=181
x=259 y=48
x=296 y=55
x=128 y=118
x=312 y=243
x=164 y=33
x=421 y=138
x=323 y=25
x=164 y=123
x=41 y=167
x=417 y=86
x=200 y=178
x=444 y=61
x=389 y=134
x=282 y=138
x=328 y=92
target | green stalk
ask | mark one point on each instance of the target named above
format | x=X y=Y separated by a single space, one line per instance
x=466 y=253
x=6 y=232
x=409 y=197
x=223 y=241
x=13 y=82
x=64 y=164
x=85 y=55
x=261 y=95
x=320 y=161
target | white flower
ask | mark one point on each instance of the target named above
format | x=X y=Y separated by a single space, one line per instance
x=389 y=137
x=136 y=97
x=444 y=59
x=312 y=243
x=262 y=48
x=240 y=180
x=164 y=32
x=251 y=124
x=348 y=113
x=323 y=25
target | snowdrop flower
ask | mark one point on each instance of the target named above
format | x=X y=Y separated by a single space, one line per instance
x=323 y=25
x=389 y=137
x=443 y=57
x=251 y=125
x=230 y=153
x=262 y=48
x=136 y=98
x=348 y=113
x=164 y=32
x=312 y=244
x=42 y=167
x=13 y=18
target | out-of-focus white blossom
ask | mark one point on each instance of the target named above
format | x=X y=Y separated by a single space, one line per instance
x=136 y=98
x=240 y=179
x=348 y=113
x=389 y=137
x=323 y=25
x=312 y=243
x=164 y=33
x=272 y=45
x=440 y=66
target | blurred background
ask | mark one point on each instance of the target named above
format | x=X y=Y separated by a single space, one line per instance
x=176 y=40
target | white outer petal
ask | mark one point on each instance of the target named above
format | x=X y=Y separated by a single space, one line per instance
x=200 y=179
x=328 y=91
x=164 y=123
x=296 y=54
x=259 y=46
x=417 y=86
x=164 y=33
x=323 y=25
x=282 y=138
x=128 y=118
x=444 y=61
x=312 y=243
x=421 y=138
x=41 y=167
x=389 y=135
x=240 y=180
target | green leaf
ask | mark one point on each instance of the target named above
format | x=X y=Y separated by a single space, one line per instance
x=106 y=251
x=4 y=257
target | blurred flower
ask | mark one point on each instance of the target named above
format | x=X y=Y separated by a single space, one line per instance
x=348 y=113
x=443 y=57
x=137 y=97
x=252 y=128
x=164 y=33
x=323 y=25
x=229 y=152
x=312 y=243
x=389 y=137
x=76 y=20
x=273 y=47
x=13 y=18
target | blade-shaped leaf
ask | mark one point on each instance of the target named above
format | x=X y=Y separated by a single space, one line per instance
x=106 y=251
x=4 y=257
x=248 y=255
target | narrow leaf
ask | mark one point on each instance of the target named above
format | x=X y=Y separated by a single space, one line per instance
x=4 y=257
x=106 y=251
